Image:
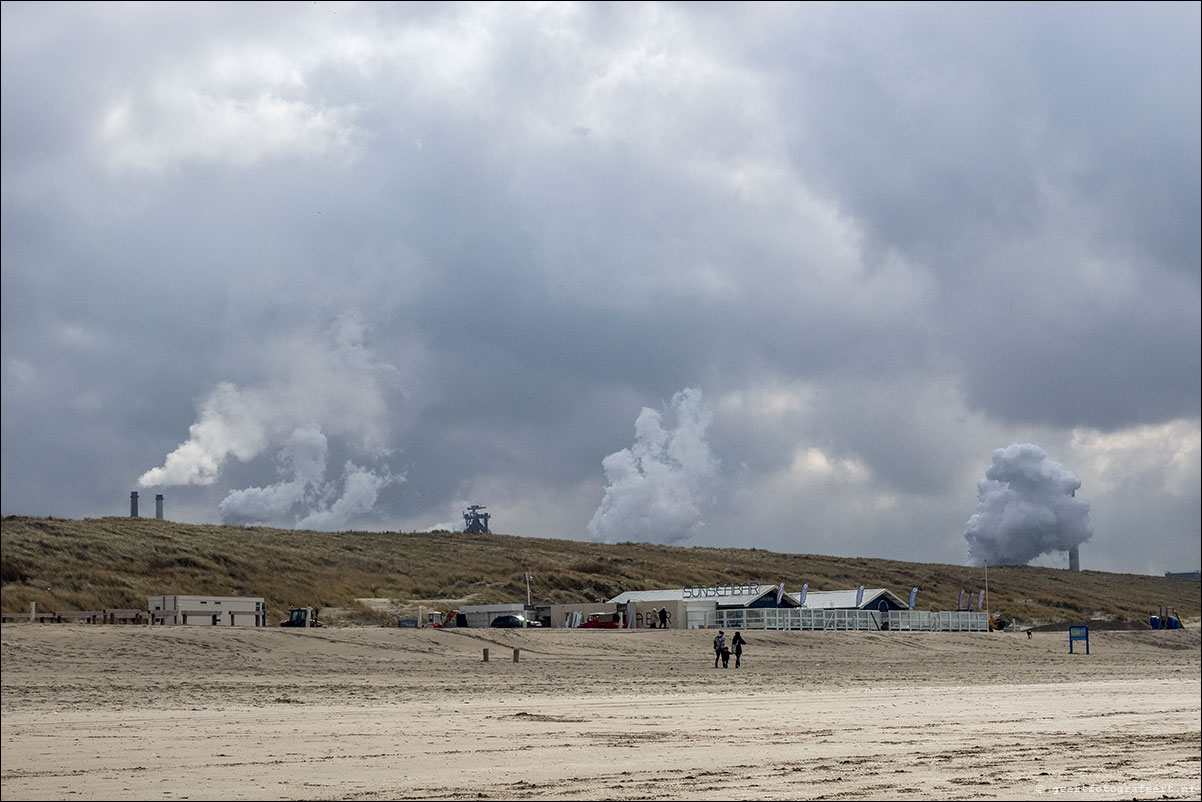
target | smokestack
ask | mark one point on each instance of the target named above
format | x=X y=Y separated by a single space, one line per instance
x=158 y=507
x=1074 y=559
x=133 y=504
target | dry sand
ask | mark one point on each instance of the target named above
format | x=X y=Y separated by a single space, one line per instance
x=108 y=712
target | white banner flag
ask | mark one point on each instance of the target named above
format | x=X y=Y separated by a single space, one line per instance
x=860 y=596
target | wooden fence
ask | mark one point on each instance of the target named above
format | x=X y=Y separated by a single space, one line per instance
x=158 y=617
x=81 y=617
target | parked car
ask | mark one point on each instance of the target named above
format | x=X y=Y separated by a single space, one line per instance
x=514 y=622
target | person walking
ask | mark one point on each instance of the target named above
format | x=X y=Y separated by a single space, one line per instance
x=736 y=644
x=719 y=646
x=663 y=618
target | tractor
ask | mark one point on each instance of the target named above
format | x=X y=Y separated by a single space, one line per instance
x=302 y=617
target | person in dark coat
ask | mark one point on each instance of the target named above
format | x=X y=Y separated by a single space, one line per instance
x=736 y=644
x=719 y=647
x=663 y=618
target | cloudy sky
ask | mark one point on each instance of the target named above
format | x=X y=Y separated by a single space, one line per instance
x=777 y=275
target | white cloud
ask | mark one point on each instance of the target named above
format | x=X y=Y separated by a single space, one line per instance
x=174 y=125
x=1163 y=457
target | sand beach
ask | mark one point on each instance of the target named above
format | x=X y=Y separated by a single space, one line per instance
x=130 y=712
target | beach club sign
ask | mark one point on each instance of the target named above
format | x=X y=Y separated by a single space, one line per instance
x=711 y=591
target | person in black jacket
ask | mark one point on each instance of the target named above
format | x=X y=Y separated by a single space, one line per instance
x=719 y=646
x=736 y=645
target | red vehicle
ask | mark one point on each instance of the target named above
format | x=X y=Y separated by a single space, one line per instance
x=600 y=621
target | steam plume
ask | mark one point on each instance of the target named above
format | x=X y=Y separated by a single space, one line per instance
x=334 y=383
x=657 y=487
x=1025 y=508
x=303 y=458
x=314 y=386
x=303 y=466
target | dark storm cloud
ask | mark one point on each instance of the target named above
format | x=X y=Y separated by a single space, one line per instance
x=1046 y=167
x=881 y=242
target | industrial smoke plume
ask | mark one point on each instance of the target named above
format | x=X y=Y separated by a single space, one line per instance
x=304 y=488
x=1025 y=508
x=327 y=386
x=658 y=486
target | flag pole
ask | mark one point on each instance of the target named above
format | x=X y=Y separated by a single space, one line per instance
x=988 y=616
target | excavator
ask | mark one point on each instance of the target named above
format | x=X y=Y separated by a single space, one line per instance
x=440 y=620
x=302 y=617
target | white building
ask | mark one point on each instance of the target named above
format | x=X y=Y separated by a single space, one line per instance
x=208 y=611
x=753 y=606
x=692 y=607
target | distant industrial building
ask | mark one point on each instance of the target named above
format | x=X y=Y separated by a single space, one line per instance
x=474 y=520
x=1184 y=574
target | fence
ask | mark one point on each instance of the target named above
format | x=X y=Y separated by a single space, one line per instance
x=82 y=616
x=804 y=618
x=138 y=617
x=928 y=621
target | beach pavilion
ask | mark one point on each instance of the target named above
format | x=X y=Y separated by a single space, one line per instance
x=738 y=606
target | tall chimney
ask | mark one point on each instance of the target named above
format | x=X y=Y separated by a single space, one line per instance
x=158 y=507
x=1074 y=556
x=133 y=504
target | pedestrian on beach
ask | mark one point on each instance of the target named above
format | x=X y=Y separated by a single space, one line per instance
x=719 y=646
x=663 y=618
x=737 y=645
x=651 y=618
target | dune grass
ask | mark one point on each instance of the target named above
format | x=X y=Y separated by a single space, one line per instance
x=107 y=563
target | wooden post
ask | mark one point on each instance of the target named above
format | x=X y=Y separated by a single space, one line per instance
x=486 y=655
x=33 y=611
x=516 y=652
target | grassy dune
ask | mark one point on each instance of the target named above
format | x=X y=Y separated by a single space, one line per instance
x=117 y=562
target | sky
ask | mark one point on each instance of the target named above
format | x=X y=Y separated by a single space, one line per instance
x=798 y=277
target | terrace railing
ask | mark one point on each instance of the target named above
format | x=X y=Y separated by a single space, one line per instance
x=794 y=618
x=805 y=618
